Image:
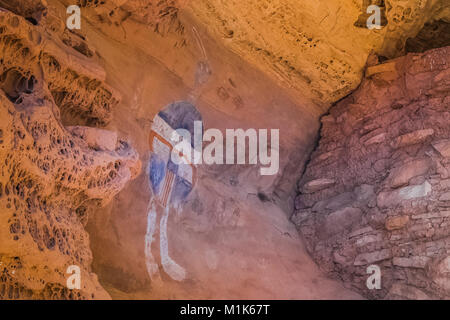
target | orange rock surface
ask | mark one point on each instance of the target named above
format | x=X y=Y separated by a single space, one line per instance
x=77 y=106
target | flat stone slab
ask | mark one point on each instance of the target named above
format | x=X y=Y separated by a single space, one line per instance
x=442 y=214
x=360 y=232
x=400 y=176
x=445 y=197
x=371 y=257
x=412 y=262
x=391 y=198
x=443 y=147
x=396 y=223
x=389 y=67
x=375 y=140
x=317 y=185
x=412 y=138
x=369 y=239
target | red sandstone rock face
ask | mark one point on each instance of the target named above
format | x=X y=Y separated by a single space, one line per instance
x=385 y=148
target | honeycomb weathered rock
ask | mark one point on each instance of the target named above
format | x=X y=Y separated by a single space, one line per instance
x=50 y=179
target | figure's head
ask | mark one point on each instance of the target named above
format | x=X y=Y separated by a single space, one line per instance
x=172 y=181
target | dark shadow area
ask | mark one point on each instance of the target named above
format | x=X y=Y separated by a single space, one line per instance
x=433 y=35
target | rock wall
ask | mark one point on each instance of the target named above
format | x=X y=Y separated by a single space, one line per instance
x=52 y=176
x=162 y=16
x=303 y=46
x=317 y=47
x=66 y=135
x=377 y=188
x=151 y=68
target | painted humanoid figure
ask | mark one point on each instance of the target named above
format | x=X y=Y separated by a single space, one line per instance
x=170 y=181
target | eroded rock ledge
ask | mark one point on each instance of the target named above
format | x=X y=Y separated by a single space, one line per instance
x=316 y=47
x=377 y=190
x=51 y=176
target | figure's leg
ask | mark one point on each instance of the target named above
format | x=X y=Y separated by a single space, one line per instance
x=170 y=267
x=150 y=261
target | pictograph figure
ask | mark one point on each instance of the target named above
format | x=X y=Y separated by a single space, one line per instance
x=170 y=183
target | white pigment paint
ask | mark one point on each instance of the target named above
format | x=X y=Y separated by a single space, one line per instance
x=152 y=266
x=175 y=271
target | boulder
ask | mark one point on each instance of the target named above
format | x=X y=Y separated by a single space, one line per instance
x=364 y=192
x=340 y=220
x=335 y=203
